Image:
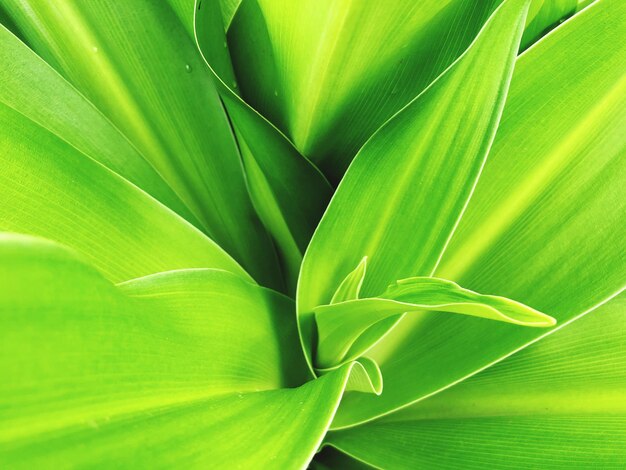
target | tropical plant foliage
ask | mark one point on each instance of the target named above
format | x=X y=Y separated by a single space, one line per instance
x=280 y=234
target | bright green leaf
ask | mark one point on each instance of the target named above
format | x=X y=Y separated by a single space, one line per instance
x=427 y=159
x=184 y=9
x=560 y=403
x=136 y=63
x=544 y=15
x=330 y=73
x=350 y=287
x=50 y=189
x=157 y=371
x=33 y=88
x=288 y=192
x=339 y=325
x=545 y=225
x=365 y=377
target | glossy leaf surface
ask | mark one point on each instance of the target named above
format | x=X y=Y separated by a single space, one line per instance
x=288 y=192
x=560 y=403
x=330 y=73
x=155 y=371
x=33 y=88
x=137 y=64
x=342 y=324
x=50 y=189
x=545 y=224
x=427 y=159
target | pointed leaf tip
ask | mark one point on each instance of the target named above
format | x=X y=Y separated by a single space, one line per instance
x=350 y=287
x=343 y=325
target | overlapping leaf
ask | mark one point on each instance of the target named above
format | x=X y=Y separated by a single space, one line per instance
x=543 y=15
x=545 y=225
x=344 y=329
x=50 y=189
x=186 y=367
x=288 y=192
x=419 y=171
x=36 y=90
x=136 y=63
x=176 y=368
x=561 y=403
x=330 y=73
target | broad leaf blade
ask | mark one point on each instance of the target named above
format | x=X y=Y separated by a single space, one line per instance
x=175 y=368
x=50 y=189
x=545 y=225
x=154 y=332
x=330 y=73
x=137 y=64
x=428 y=157
x=273 y=429
x=33 y=88
x=559 y=403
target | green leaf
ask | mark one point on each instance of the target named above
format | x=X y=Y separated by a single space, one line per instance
x=558 y=403
x=288 y=192
x=33 y=88
x=229 y=9
x=365 y=377
x=339 y=325
x=427 y=158
x=177 y=368
x=330 y=73
x=135 y=62
x=543 y=16
x=50 y=189
x=350 y=287
x=545 y=224
x=184 y=9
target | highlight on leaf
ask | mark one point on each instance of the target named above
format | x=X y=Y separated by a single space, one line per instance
x=342 y=325
x=319 y=234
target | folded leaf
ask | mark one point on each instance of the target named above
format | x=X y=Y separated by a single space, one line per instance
x=339 y=325
x=545 y=225
x=350 y=287
x=137 y=64
x=330 y=73
x=50 y=189
x=176 y=368
x=288 y=192
x=36 y=90
x=559 y=403
x=428 y=158
x=365 y=376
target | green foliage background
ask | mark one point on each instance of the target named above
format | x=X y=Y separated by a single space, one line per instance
x=314 y=233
